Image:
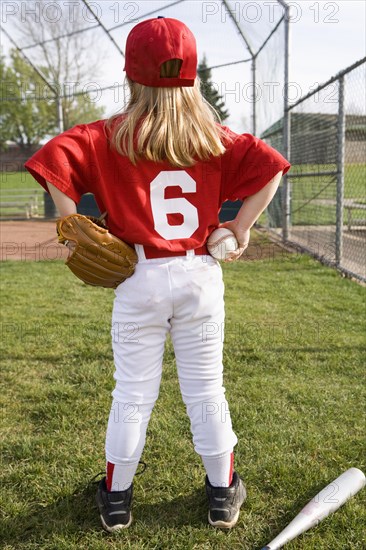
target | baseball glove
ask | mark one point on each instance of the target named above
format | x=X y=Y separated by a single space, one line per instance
x=98 y=257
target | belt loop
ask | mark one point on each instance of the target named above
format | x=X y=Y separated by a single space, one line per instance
x=190 y=253
x=140 y=252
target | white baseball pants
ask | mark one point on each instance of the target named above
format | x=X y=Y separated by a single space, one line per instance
x=182 y=296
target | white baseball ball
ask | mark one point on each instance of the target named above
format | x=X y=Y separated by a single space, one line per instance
x=221 y=243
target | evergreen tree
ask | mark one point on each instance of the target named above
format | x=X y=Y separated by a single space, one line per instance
x=209 y=91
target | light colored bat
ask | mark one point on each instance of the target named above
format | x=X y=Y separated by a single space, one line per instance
x=324 y=503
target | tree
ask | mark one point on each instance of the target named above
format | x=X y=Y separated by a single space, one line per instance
x=65 y=56
x=209 y=91
x=24 y=120
x=28 y=111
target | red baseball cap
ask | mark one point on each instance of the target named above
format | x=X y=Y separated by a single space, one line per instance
x=154 y=41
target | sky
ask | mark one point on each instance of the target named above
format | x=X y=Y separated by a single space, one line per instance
x=325 y=37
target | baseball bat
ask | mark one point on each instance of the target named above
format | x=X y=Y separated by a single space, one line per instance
x=324 y=503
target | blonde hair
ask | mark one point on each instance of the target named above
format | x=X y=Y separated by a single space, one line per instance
x=167 y=124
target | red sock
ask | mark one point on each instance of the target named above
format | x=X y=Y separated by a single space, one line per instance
x=120 y=476
x=219 y=469
x=109 y=477
x=231 y=469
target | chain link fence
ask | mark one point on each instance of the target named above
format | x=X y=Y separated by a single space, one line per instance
x=249 y=74
x=322 y=205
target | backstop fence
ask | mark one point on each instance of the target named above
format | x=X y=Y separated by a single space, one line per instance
x=321 y=206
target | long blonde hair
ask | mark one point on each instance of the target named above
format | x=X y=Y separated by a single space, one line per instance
x=166 y=124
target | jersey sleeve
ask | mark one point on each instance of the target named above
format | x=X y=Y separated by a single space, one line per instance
x=248 y=165
x=64 y=162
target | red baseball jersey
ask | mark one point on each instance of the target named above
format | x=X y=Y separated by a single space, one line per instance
x=155 y=204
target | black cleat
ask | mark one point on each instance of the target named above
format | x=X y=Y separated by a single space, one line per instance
x=114 y=507
x=225 y=502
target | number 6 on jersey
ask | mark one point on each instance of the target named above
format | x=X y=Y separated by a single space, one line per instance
x=161 y=206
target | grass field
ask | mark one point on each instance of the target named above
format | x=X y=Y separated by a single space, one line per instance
x=355 y=177
x=313 y=198
x=19 y=181
x=310 y=194
x=307 y=211
x=294 y=375
x=354 y=180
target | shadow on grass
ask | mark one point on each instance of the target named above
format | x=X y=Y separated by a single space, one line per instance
x=290 y=349
x=67 y=515
x=77 y=513
x=304 y=349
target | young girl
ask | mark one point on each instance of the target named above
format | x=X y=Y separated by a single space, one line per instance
x=162 y=170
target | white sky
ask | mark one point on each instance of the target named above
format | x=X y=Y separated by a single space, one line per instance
x=326 y=37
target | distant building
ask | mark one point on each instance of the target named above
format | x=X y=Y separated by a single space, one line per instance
x=314 y=138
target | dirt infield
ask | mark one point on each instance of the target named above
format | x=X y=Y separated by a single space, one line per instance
x=30 y=241
x=35 y=240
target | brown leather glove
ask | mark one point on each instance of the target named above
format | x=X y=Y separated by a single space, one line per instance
x=98 y=258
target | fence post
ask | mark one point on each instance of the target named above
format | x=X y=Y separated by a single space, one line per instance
x=254 y=115
x=286 y=129
x=341 y=134
x=60 y=117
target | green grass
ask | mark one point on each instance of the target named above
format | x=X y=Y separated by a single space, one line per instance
x=17 y=180
x=20 y=181
x=313 y=198
x=355 y=177
x=308 y=192
x=302 y=190
x=354 y=180
x=294 y=375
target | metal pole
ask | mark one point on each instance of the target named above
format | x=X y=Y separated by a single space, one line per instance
x=20 y=50
x=340 y=171
x=54 y=89
x=254 y=118
x=103 y=27
x=286 y=205
x=60 y=115
x=235 y=21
